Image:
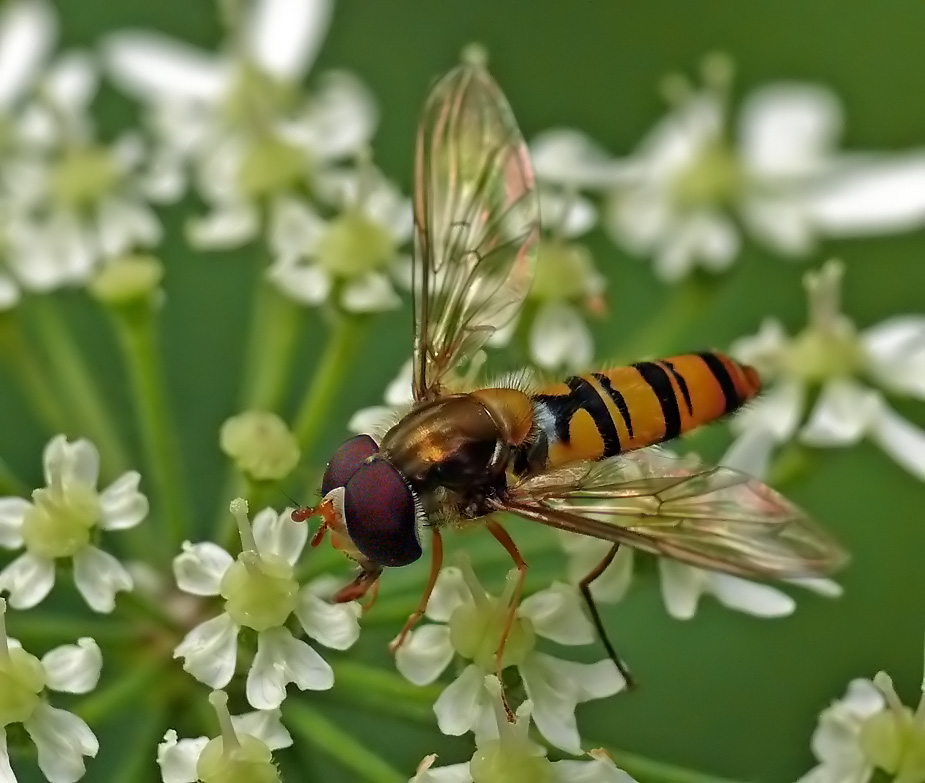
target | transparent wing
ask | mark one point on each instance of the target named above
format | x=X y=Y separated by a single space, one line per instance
x=715 y=517
x=476 y=222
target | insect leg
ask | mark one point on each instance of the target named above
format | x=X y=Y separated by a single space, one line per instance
x=584 y=587
x=366 y=580
x=436 y=561
x=508 y=543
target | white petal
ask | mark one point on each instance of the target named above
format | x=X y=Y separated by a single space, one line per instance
x=153 y=67
x=227 y=227
x=283 y=36
x=200 y=568
x=749 y=597
x=425 y=654
x=65 y=462
x=122 y=505
x=333 y=625
x=789 y=130
x=880 y=197
x=210 y=651
x=12 y=513
x=901 y=439
x=305 y=283
x=705 y=237
x=72 y=82
x=458 y=707
x=265 y=725
x=28 y=29
x=279 y=535
x=585 y=554
x=571 y=214
x=780 y=220
x=281 y=659
x=124 y=224
x=558 y=614
x=98 y=576
x=842 y=415
x=9 y=292
x=449 y=593
x=178 y=760
x=370 y=293
x=682 y=586
x=62 y=740
x=559 y=338
x=556 y=687
x=824 y=587
x=375 y=420
x=567 y=157
x=28 y=579
x=896 y=354
x=295 y=228
x=600 y=770
x=6 y=771
x=73 y=668
x=778 y=411
x=454 y=773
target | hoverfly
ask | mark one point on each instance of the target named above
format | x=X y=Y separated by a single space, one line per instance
x=556 y=455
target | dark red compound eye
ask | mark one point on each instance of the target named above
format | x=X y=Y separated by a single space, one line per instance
x=381 y=515
x=346 y=461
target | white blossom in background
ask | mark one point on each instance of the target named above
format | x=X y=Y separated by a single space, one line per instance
x=354 y=255
x=682 y=195
x=239 y=118
x=240 y=754
x=61 y=739
x=62 y=521
x=376 y=419
x=682 y=586
x=508 y=755
x=849 y=369
x=468 y=622
x=260 y=592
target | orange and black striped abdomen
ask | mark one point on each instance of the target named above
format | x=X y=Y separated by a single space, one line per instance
x=601 y=414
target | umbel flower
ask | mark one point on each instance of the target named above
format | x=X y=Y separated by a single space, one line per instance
x=827 y=383
x=468 y=621
x=61 y=738
x=261 y=593
x=62 y=522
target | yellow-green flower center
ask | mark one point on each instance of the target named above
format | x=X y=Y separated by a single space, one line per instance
x=22 y=680
x=353 y=245
x=475 y=633
x=816 y=355
x=250 y=761
x=713 y=178
x=271 y=165
x=260 y=444
x=259 y=591
x=895 y=744
x=564 y=270
x=497 y=762
x=61 y=520
x=83 y=176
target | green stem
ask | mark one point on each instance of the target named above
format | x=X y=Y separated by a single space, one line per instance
x=382 y=691
x=130 y=688
x=135 y=328
x=75 y=379
x=325 y=736
x=687 y=301
x=338 y=356
x=647 y=770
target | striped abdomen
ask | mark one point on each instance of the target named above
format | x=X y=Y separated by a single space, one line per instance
x=601 y=414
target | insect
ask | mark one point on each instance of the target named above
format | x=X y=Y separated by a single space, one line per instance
x=565 y=455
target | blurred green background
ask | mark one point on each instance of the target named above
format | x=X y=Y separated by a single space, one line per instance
x=723 y=693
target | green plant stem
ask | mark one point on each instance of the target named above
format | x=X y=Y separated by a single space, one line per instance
x=325 y=736
x=135 y=328
x=680 y=308
x=131 y=687
x=337 y=358
x=647 y=770
x=380 y=690
x=75 y=379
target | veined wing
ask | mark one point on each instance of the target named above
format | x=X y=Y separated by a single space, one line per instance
x=476 y=222
x=715 y=517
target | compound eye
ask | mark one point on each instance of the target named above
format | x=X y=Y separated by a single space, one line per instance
x=346 y=461
x=381 y=515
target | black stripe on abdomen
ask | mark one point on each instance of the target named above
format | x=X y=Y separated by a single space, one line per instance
x=660 y=382
x=682 y=385
x=590 y=400
x=618 y=400
x=718 y=369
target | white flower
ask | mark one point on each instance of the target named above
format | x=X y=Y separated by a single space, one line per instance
x=682 y=585
x=508 y=755
x=377 y=419
x=61 y=738
x=61 y=521
x=470 y=623
x=261 y=592
x=831 y=357
x=689 y=182
x=240 y=754
x=239 y=118
x=353 y=253
x=28 y=29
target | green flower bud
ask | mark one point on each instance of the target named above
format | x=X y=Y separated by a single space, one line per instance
x=498 y=762
x=353 y=244
x=60 y=521
x=127 y=278
x=271 y=165
x=261 y=445
x=564 y=270
x=714 y=177
x=260 y=591
x=83 y=176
